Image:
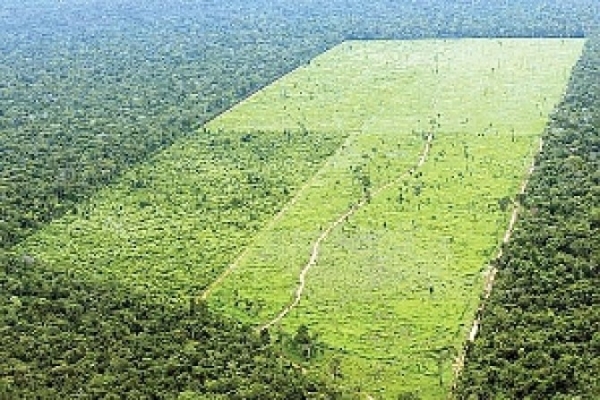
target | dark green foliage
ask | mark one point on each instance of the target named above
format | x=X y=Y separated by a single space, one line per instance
x=539 y=336
x=408 y=396
x=304 y=344
x=63 y=337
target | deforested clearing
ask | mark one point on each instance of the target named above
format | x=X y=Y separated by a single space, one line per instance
x=395 y=285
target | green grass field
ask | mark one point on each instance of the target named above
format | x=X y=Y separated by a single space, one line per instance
x=400 y=280
x=172 y=225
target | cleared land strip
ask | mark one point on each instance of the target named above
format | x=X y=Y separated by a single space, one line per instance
x=172 y=226
x=315 y=249
x=398 y=282
x=490 y=276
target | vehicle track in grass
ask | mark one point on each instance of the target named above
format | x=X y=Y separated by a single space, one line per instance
x=229 y=270
x=493 y=270
x=242 y=255
x=325 y=234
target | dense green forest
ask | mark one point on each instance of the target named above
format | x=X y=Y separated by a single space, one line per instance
x=90 y=88
x=540 y=331
x=63 y=337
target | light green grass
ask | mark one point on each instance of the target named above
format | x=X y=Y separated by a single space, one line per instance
x=172 y=225
x=369 y=294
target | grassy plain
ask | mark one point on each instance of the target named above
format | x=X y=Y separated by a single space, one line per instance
x=400 y=280
x=173 y=224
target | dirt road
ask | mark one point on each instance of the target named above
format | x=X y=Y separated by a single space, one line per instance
x=217 y=282
x=317 y=244
x=492 y=271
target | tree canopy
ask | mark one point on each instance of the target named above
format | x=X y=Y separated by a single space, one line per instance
x=63 y=337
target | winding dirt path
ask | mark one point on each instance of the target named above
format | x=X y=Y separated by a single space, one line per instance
x=317 y=244
x=217 y=282
x=492 y=271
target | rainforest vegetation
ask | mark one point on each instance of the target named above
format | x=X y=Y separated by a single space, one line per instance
x=91 y=89
x=63 y=337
